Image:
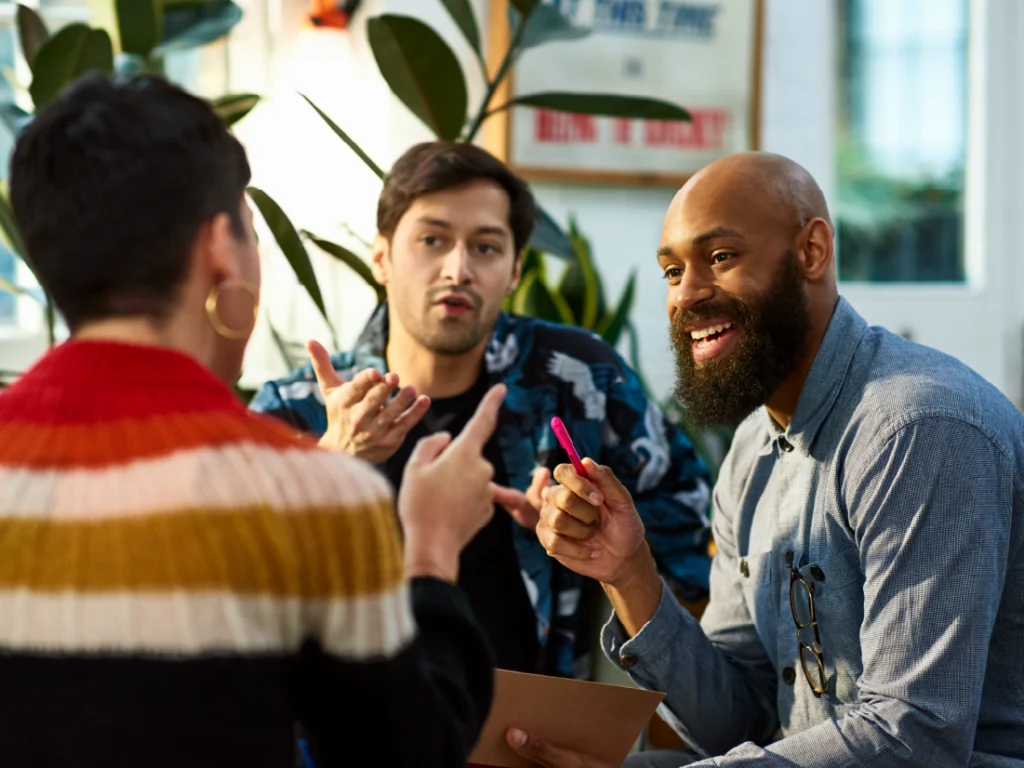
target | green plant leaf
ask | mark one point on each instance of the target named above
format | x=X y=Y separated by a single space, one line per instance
x=607 y=104
x=139 y=25
x=546 y=24
x=288 y=240
x=32 y=32
x=611 y=325
x=66 y=56
x=346 y=138
x=349 y=259
x=548 y=237
x=234 y=107
x=421 y=71
x=8 y=287
x=194 y=24
x=580 y=285
x=534 y=299
x=14 y=117
x=533 y=261
x=8 y=226
x=461 y=12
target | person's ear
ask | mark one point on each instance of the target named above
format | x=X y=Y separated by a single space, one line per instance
x=816 y=246
x=380 y=259
x=517 y=275
x=216 y=246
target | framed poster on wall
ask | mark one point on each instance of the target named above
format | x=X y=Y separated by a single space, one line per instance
x=703 y=55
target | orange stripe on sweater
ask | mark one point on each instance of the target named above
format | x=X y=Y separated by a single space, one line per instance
x=96 y=445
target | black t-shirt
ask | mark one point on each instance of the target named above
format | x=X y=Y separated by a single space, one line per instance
x=488 y=569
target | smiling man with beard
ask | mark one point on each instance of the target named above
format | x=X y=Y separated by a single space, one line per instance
x=867 y=598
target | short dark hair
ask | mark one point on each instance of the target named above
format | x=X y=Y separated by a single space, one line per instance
x=435 y=166
x=110 y=184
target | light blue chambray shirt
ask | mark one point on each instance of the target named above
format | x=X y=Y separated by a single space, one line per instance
x=899 y=484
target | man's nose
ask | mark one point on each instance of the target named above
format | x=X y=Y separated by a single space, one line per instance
x=694 y=288
x=457 y=265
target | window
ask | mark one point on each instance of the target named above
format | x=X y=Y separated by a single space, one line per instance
x=902 y=140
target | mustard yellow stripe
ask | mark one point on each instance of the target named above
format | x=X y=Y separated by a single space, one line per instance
x=316 y=553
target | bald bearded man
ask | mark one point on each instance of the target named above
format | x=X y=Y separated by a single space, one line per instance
x=867 y=599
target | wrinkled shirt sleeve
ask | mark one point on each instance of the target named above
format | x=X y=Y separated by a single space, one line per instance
x=932 y=513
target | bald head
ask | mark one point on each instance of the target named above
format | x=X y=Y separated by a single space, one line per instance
x=769 y=180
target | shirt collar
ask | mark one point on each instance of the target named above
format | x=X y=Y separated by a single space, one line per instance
x=825 y=379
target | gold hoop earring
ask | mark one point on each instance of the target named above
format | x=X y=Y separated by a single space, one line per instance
x=213 y=298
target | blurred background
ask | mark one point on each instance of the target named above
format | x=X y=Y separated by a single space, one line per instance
x=909 y=113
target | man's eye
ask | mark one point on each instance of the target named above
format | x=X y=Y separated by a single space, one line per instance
x=488 y=248
x=720 y=256
x=431 y=240
x=673 y=274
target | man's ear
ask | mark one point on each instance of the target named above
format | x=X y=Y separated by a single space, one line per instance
x=380 y=259
x=817 y=248
x=517 y=275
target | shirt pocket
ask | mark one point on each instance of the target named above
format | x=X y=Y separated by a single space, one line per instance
x=756 y=581
x=838 y=598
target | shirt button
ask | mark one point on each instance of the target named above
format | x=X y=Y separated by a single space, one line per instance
x=789 y=558
x=785 y=445
x=817 y=573
x=789 y=675
x=628 y=660
x=744 y=569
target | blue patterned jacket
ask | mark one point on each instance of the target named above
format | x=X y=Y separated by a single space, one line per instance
x=557 y=370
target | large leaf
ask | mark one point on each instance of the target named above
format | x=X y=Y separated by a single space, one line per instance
x=14 y=117
x=291 y=246
x=607 y=104
x=462 y=12
x=346 y=138
x=580 y=285
x=421 y=71
x=610 y=327
x=139 y=25
x=192 y=25
x=32 y=33
x=534 y=299
x=353 y=262
x=546 y=24
x=533 y=261
x=66 y=56
x=234 y=107
x=8 y=226
x=548 y=237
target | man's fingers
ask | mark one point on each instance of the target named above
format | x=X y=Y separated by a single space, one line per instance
x=410 y=417
x=369 y=409
x=547 y=755
x=326 y=377
x=355 y=390
x=607 y=483
x=541 y=480
x=557 y=545
x=585 y=489
x=566 y=500
x=516 y=504
x=565 y=524
x=481 y=426
x=429 y=448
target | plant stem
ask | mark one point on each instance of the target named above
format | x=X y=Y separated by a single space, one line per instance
x=492 y=87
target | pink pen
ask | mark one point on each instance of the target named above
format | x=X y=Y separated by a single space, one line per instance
x=566 y=442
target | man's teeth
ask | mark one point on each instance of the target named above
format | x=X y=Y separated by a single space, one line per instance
x=698 y=335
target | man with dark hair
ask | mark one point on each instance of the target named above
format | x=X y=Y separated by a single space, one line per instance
x=452 y=221
x=867 y=599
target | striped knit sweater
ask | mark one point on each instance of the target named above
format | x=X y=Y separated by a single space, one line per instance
x=182 y=581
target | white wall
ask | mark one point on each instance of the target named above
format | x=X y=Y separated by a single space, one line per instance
x=319 y=182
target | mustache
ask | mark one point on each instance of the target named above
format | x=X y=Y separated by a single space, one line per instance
x=434 y=295
x=734 y=310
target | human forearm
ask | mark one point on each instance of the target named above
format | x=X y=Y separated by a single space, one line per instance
x=635 y=596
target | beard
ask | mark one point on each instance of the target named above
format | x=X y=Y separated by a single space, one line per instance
x=453 y=336
x=773 y=329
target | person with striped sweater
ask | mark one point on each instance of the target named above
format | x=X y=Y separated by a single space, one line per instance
x=183 y=581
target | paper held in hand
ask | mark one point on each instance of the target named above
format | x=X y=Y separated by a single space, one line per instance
x=599 y=720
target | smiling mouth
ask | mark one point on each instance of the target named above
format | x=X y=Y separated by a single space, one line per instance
x=707 y=336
